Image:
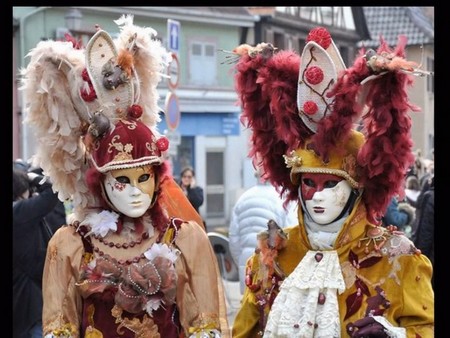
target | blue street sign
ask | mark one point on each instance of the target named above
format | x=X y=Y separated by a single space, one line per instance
x=173 y=35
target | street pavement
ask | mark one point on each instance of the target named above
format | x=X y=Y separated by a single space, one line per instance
x=232 y=298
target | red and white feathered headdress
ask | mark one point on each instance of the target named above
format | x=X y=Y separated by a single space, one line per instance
x=95 y=107
x=303 y=113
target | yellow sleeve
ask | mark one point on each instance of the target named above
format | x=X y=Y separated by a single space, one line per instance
x=417 y=315
x=62 y=305
x=246 y=322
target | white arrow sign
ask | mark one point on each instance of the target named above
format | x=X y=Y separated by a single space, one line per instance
x=173 y=35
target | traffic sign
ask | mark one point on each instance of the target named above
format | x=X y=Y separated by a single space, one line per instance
x=173 y=35
x=172 y=111
x=174 y=72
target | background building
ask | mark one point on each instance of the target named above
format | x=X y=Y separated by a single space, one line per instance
x=417 y=24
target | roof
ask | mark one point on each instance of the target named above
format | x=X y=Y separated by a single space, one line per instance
x=232 y=11
x=389 y=22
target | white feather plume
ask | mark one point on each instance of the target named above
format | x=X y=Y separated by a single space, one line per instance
x=49 y=82
x=59 y=116
x=150 y=61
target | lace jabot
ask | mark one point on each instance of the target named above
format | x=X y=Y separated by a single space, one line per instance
x=307 y=305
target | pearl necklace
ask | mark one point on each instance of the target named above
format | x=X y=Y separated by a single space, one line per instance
x=83 y=230
x=131 y=244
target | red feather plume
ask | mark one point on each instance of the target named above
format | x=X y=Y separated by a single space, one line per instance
x=387 y=153
x=267 y=89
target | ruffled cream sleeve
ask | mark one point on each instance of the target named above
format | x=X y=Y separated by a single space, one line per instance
x=200 y=295
x=62 y=305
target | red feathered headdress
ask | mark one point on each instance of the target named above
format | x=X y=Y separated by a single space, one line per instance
x=305 y=112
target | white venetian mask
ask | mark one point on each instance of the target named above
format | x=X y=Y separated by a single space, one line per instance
x=131 y=190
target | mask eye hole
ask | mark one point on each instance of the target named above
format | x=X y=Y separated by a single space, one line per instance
x=144 y=178
x=123 y=179
x=308 y=182
x=330 y=184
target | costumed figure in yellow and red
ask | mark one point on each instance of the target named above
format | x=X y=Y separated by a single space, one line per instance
x=134 y=260
x=338 y=273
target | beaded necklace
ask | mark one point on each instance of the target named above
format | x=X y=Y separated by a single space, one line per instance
x=174 y=224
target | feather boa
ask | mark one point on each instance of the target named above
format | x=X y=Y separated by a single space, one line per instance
x=387 y=153
x=267 y=88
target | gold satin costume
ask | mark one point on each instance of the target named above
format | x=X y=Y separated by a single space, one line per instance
x=63 y=304
x=404 y=277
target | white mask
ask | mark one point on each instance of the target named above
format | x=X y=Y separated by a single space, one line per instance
x=325 y=196
x=131 y=190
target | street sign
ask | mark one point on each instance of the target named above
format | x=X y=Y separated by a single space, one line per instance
x=172 y=111
x=173 y=35
x=174 y=72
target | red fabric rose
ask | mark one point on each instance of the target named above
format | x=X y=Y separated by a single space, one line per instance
x=310 y=108
x=314 y=75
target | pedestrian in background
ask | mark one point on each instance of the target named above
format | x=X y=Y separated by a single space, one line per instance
x=412 y=189
x=400 y=214
x=193 y=192
x=424 y=229
x=31 y=235
x=58 y=216
x=253 y=209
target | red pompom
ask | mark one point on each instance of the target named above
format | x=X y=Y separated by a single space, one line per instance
x=320 y=36
x=314 y=75
x=162 y=143
x=310 y=108
x=135 y=111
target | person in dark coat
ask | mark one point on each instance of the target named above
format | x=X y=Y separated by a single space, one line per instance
x=400 y=214
x=31 y=234
x=188 y=184
x=57 y=217
x=424 y=234
x=193 y=192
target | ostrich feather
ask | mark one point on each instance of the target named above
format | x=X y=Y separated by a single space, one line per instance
x=150 y=62
x=266 y=83
x=50 y=84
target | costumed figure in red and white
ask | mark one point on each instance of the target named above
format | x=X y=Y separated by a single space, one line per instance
x=338 y=273
x=135 y=260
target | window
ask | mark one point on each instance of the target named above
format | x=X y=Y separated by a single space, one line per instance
x=203 y=63
x=345 y=54
x=215 y=186
x=279 y=40
x=185 y=155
